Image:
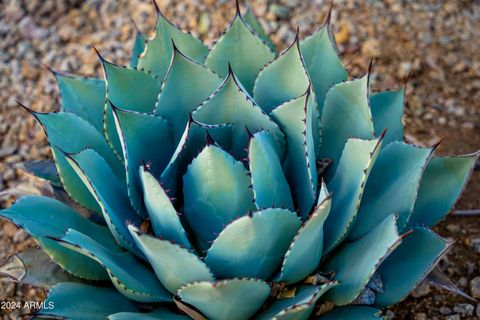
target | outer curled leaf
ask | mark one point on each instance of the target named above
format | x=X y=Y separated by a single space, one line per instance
x=51 y=219
x=173 y=265
x=387 y=111
x=34 y=267
x=216 y=191
x=138 y=48
x=347 y=187
x=128 y=275
x=254 y=245
x=392 y=186
x=83 y=302
x=355 y=262
x=58 y=128
x=243 y=49
x=159 y=314
x=408 y=265
x=110 y=194
x=233 y=299
x=441 y=185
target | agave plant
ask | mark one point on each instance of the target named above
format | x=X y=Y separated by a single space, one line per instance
x=231 y=183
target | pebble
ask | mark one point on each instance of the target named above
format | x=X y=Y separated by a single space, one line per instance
x=421 y=291
x=445 y=310
x=420 y=316
x=475 y=287
x=464 y=309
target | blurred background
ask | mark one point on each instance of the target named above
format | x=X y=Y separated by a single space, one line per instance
x=432 y=43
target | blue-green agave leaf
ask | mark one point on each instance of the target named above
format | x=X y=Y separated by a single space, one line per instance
x=253 y=245
x=305 y=251
x=392 y=186
x=346 y=114
x=216 y=191
x=232 y=104
x=270 y=187
x=57 y=127
x=44 y=169
x=387 y=111
x=127 y=273
x=34 y=267
x=298 y=307
x=159 y=49
x=51 y=219
x=322 y=62
x=240 y=47
x=138 y=48
x=283 y=79
x=186 y=85
x=110 y=194
x=191 y=143
x=159 y=314
x=145 y=138
x=295 y=118
x=163 y=216
x=83 y=302
x=173 y=265
x=353 y=312
x=347 y=187
x=254 y=24
x=441 y=185
x=82 y=96
x=130 y=88
x=354 y=263
x=233 y=299
x=409 y=264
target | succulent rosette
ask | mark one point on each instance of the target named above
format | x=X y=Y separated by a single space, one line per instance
x=231 y=183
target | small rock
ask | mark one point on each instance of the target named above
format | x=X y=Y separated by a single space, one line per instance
x=453 y=228
x=420 y=316
x=465 y=309
x=445 y=310
x=371 y=48
x=475 y=287
x=29 y=29
x=281 y=12
x=453 y=317
x=390 y=315
x=475 y=244
x=421 y=291
x=19 y=236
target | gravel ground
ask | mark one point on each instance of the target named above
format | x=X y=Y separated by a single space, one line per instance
x=434 y=43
